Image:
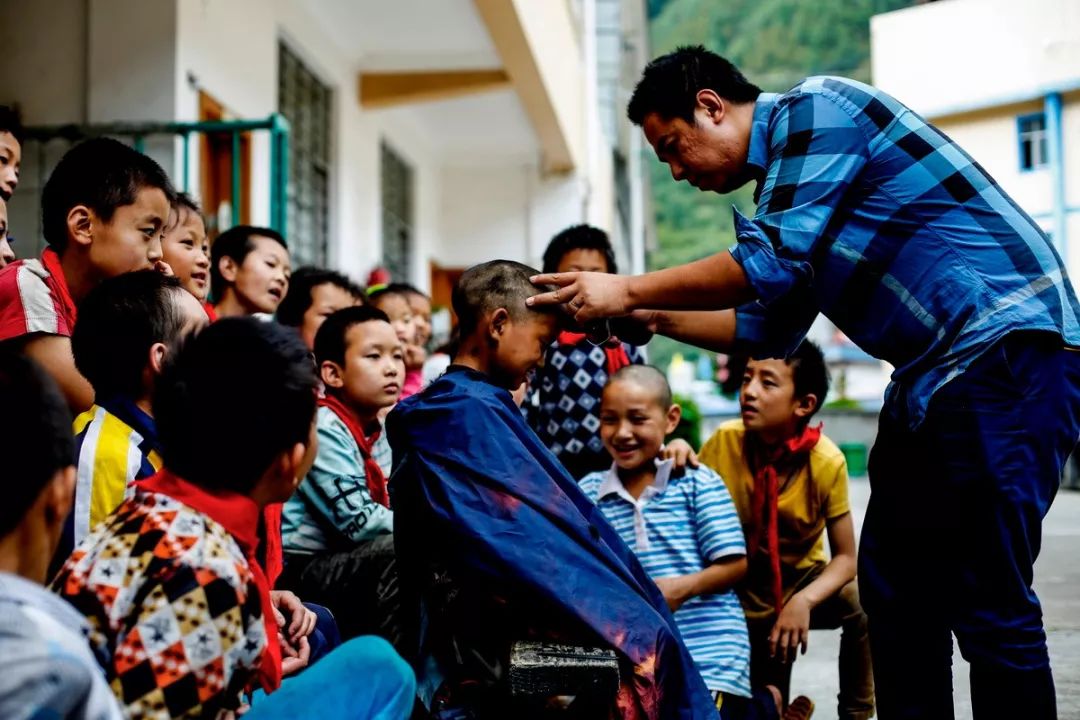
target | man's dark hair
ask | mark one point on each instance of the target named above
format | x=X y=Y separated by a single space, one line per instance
x=578 y=237
x=809 y=373
x=492 y=285
x=10 y=122
x=236 y=243
x=301 y=284
x=102 y=174
x=35 y=435
x=670 y=84
x=330 y=339
x=406 y=289
x=119 y=321
x=231 y=400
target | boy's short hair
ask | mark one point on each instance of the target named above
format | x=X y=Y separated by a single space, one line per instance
x=183 y=201
x=669 y=84
x=579 y=237
x=119 y=321
x=809 y=373
x=495 y=284
x=236 y=243
x=35 y=435
x=330 y=342
x=231 y=400
x=102 y=174
x=384 y=291
x=647 y=377
x=303 y=280
x=10 y=122
x=406 y=289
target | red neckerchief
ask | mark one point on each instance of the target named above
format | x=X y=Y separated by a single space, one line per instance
x=239 y=515
x=373 y=474
x=765 y=463
x=51 y=261
x=210 y=311
x=616 y=353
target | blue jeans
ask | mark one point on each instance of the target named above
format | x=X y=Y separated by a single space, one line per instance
x=954 y=526
x=363 y=679
x=325 y=637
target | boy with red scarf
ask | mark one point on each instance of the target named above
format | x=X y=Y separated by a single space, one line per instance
x=337 y=527
x=789 y=484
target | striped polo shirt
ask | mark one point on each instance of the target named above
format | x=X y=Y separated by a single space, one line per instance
x=680 y=525
x=34 y=300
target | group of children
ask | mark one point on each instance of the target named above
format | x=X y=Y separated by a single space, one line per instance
x=206 y=481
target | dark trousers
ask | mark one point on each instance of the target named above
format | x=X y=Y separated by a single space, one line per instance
x=856 y=698
x=953 y=529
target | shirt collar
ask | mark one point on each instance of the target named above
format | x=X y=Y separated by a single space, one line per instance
x=20 y=591
x=612 y=485
x=758 y=155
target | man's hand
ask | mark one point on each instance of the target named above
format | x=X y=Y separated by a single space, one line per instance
x=680 y=453
x=586 y=295
x=674 y=590
x=791 y=630
x=302 y=620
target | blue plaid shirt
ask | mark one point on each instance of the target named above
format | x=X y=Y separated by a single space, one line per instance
x=872 y=216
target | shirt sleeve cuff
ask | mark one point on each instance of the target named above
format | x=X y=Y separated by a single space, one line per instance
x=771 y=277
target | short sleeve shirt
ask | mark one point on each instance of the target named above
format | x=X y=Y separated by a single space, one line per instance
x=32 y=300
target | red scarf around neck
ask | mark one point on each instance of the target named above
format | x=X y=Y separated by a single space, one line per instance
x=373 y=473
x=616 y=353
x=766 y=464
x=51 y=261
x=240 y=516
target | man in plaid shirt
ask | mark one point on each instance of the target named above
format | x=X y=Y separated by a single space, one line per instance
x=872 y=216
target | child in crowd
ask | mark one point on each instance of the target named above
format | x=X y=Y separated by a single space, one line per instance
x=314 y=295
x=10 y=151
x=337 y=527
x=186 y=248
x=789 y=483
x=46 y=667
x=395 y=303
x=498 y=543
x=574 y=372
x=684 y=529
x=420 y=306
x=103 y=210
x=128 y=328
x=249 y=271
x=7 y=255
x=172 y=583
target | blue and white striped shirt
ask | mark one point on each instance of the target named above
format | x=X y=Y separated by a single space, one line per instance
x=872 y=216
x=680 y=525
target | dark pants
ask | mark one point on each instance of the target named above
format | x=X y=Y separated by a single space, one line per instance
x=325 y=637
x=856 y=698
x=953 y=529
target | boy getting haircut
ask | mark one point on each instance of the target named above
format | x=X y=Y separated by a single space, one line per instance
x=683 y=528
x=789 y=484
x=337 y=527
x=315 y=294
x=186 y=247
x=129 y=326
x=571 y=380
x=103 y=209
x=249 y=271
x=46 y=668
x=10 y=151
x=487 y=524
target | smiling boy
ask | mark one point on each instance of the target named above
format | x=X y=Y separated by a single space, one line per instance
x=186 y=247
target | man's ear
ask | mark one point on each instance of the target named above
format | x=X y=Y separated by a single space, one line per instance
x=158 y=353
x=58 y=496
x=80 y=225
x=806 y=405
x=332 y=374
x=228 y=268
x=715 y=106
x=674 y=415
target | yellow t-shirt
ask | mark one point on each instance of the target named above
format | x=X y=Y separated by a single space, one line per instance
x=808 y=498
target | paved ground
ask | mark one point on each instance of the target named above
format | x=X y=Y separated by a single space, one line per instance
x=1057 y=581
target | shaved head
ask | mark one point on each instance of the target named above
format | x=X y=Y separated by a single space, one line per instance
x=648 y=378
x=489 y=286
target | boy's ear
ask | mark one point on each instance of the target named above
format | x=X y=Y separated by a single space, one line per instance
x=806 y=405
x=498 y=322
x=59 y=494
x=228 y=268
x=158 y=353
x=332 y=374
x=674 y=415
x=80 y=225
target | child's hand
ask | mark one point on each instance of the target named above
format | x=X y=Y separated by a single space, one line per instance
x=294 y=658
x=414 y=356
x=674 y=590
x=680 y=453
x=791 y=630
x=302 y=621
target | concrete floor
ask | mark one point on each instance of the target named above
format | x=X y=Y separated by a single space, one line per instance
x=1057 y=581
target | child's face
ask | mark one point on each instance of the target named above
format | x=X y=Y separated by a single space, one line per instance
x=131 y=239
x=326 y=299
x=186 y=249
x=583 y=260
x=397 y=309
x=767 y=400
x=374 y=368
x=633 y=423
x=421 y=313
x=6 y=253
x=262 y=280
x=10 y=160
x=519 y=345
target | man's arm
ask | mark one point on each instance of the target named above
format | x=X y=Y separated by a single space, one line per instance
x=712 y=330
x=53 y=353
